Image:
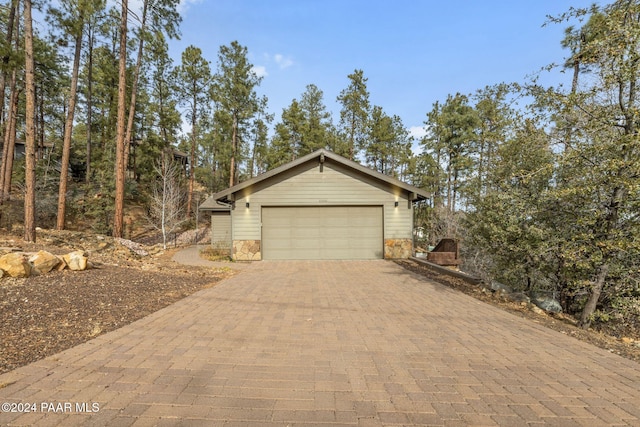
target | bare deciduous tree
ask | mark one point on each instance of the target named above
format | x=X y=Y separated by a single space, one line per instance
x=166 y=210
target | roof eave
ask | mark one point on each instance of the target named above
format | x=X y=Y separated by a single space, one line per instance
x=226 y=196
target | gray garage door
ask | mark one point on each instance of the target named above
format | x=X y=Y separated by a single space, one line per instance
x=326 y=232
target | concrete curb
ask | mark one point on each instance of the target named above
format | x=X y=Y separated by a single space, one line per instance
x=440 y=269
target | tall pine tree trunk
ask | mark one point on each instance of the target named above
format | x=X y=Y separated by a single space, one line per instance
x=87 y=177
x=134 y=86
x=449 y=186
x=30 y=143
x=40 y=127
x=3 y=77
x=9 y=142
x=192 y=159
x=120 y=170
x=234 y=152
x=352 y=143
x=68 y=133
x=10 y=123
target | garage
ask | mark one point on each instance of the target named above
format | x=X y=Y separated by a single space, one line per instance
x=322 y=232
x=320 y=206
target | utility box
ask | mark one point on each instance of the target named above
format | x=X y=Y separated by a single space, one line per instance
x=446 y=253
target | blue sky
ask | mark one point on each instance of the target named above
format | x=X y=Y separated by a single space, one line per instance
x=413 y=52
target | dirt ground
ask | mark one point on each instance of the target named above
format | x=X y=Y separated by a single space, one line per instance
x=46 y=314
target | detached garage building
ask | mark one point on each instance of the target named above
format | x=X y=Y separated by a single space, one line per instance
x=320 y=206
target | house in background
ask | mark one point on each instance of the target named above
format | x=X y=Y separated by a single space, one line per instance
x=20 y=149
x=320 y=206
x=177 y=156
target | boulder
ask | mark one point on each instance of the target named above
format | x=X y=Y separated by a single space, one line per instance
x=44 y=262
x=102 y=246
x=500 y=287
x=518 y=297
x=15 y=265
x=62 y=264
x=546 y=303
x=76 y=261
x=537 y=310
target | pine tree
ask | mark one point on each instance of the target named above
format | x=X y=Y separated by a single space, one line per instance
x=316 y=124
x=380 y=142
x=164 y=19
x=354 y=115
x=72 y=17
x=120 y=169
x=195 y=74
x=234 y=91
x=10 y=70
x=452 y=128
x=286 y=143
x=30 y=140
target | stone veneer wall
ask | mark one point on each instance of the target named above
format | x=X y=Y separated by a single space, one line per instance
x=398 y=248
x=246 y=250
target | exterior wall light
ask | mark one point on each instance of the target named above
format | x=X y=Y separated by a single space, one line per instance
x=396 y=204
x=247 y=205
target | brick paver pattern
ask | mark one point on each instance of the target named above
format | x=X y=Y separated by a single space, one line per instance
x=335 y=343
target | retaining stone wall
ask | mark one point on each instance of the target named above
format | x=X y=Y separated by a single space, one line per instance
x=246 y=250
x=398 y=248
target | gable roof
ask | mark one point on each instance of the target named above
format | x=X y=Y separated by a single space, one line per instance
x=226 y=196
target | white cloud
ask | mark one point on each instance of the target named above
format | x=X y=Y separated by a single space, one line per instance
x=418 y=132
x=260 y=70
x=135 y=6
x=184 y=5
x=282 y=61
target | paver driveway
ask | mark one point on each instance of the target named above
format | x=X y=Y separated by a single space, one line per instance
x=328 y=343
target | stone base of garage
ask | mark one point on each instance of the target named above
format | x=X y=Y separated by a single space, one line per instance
x=250 y=250
x=398 y=248
x=246 y=250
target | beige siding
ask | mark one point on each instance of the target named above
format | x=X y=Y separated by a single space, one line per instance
x=333 y=186
x=221 y=230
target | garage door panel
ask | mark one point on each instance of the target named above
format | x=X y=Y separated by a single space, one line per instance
x=335 y=243
x=334 y=233
x=323 y=232
x=305 y=244
x=279 y=245
x=335 y=222
x=364 y=222
x=306 y=232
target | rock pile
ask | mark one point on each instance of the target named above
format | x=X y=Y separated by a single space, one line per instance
x=24 y=264
x=546 y=302
x=541 y=300
x=28 y=259
x=134 y=247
